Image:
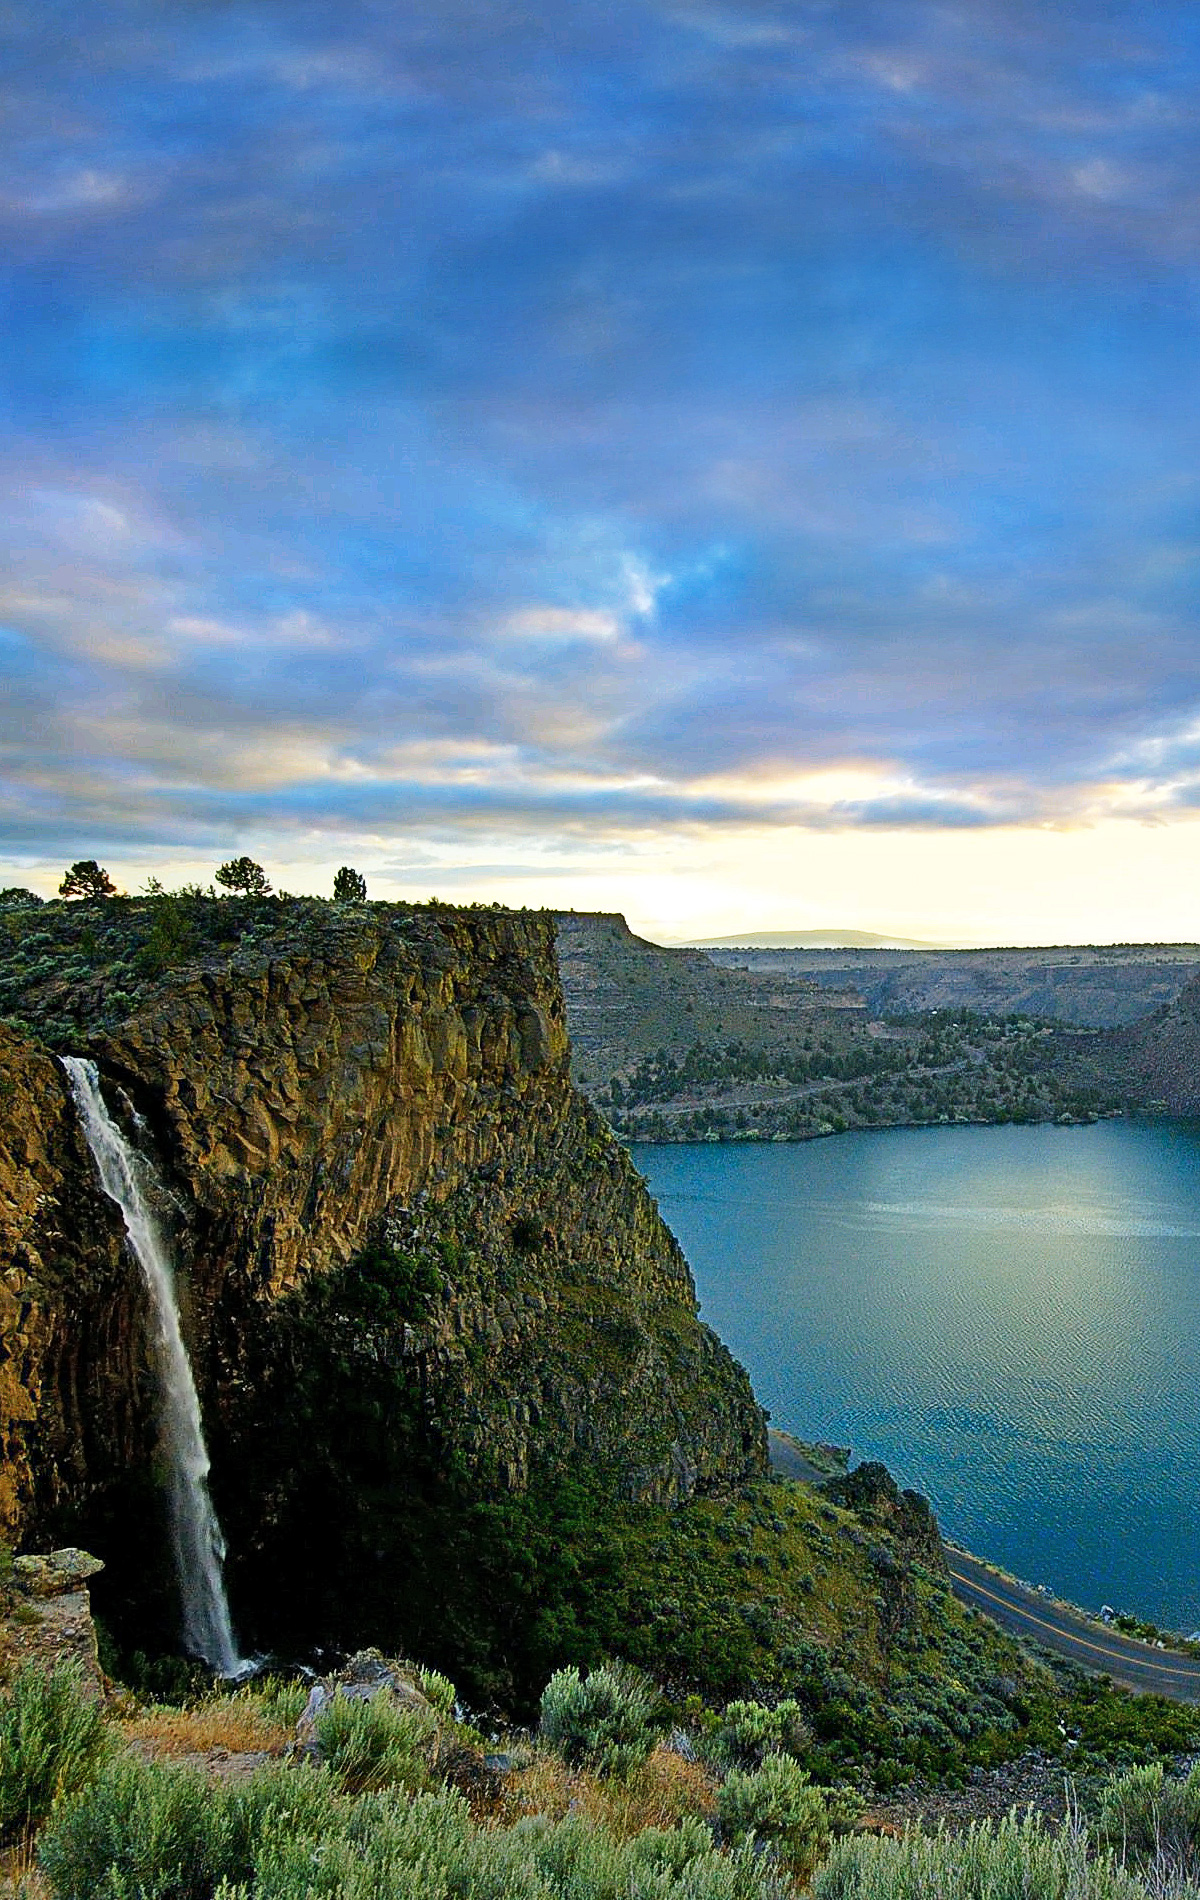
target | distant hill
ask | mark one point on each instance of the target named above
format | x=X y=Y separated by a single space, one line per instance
x=812 y=940
x=685 y=1044
x=1085 y=985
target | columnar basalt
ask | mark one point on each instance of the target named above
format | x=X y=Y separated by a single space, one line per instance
x=384 y=1083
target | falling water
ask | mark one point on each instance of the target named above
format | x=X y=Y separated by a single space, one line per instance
x=196 y=1534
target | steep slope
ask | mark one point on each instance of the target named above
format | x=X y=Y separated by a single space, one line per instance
x=1154 y=1063
x=74 y=1402
x=416 y=1257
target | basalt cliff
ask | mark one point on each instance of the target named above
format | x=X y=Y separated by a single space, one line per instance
x=418 y=1270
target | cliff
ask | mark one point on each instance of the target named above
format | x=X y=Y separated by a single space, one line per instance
x=420 y=1270
x=75 y=1403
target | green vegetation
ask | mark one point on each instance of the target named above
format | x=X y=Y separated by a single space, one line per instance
x=601 y=1720
x=957 y=1066
x=86 y=878
x=776 y=1806
x=349 y=886
x=405 y=1803
x=1151 y=1821
x=244 y=877
x=376 y=1744
x=51 y=1742
x=1016 y=1858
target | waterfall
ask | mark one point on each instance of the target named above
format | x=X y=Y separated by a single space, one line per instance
x=195 y=1533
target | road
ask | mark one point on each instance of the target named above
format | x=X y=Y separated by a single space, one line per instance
x=1067 y=1632
x=1055 y=1626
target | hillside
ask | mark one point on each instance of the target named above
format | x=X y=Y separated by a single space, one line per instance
x=418 y=1264
x=1082 y=985
x=1153 y=1064
x=686 y=1045
x=457 y=1396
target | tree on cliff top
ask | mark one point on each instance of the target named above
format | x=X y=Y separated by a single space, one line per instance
x=86 y=878
x=349 y=886
x=245 y=877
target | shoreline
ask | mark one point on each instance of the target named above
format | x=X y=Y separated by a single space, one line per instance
x=1168 y=1665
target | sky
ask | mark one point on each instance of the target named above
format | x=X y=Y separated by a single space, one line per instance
x=732 y=463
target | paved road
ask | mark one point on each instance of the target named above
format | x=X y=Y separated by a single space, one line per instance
x=1066 y=1632
x=1044 y=1620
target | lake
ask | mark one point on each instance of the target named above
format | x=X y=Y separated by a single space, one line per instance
x=1008 y=1317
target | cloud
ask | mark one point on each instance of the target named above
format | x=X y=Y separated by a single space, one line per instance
x=578 y=424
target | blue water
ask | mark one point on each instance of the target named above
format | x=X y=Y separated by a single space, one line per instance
x=1008 y=1317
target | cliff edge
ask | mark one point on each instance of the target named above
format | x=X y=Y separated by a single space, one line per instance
x=418 y=1266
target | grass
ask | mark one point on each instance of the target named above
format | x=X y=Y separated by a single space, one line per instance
x=232 y=1724
x=662 y=1791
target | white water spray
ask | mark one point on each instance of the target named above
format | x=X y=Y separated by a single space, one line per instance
x=195 y=1533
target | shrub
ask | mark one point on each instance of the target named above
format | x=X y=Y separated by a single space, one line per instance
x=245 y=877
x=140 y=1832
x=439 y=1690
x=376 y=1744
x=51 y=1742
x=1013 y=1858
x=777 y=1804
x=1150 y=1821
x=146 y=1832
x=602 y=1720
x=748 y=1732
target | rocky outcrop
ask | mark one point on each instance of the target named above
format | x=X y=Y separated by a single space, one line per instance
x=49 y=1617
x=388 y=1200
x=871 y=1492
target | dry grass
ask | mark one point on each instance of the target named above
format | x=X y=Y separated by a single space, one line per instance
x=19 y=1877
x=661 y=1792
x=233 y=1726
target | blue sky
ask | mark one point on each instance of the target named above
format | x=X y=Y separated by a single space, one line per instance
x=738 y=463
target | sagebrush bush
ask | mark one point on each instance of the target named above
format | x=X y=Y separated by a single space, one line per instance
x=1149 y=1820
x=439 y=1690
x=143 y=1832
x=777 y=1804
x=748 y=1731
x=603 y=1720
x=377 y=1743
x=51 y=1741
x=140 y=1832
x=1013 y=1860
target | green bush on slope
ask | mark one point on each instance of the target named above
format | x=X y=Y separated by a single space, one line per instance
x=149 y=1833
x=602 y=1720
x=51 y=1741
x=1016 y=1860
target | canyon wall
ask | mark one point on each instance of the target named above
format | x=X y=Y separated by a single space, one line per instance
x=407 y=1245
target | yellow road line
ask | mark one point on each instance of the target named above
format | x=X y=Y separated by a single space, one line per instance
x=1114 y=1655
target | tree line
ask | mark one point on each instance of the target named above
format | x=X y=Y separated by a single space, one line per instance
x=241 y=877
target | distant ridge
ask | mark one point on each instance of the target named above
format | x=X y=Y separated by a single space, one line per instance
x=812 y=940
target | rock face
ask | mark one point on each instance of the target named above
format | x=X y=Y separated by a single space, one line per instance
x=382 y=1186
x=75 y=1399
x=1158 y=1061
x=50 y=1618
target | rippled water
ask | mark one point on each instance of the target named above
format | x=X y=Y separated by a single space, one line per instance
x=1008 y=1317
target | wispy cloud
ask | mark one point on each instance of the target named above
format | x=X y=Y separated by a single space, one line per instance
x=579 y=424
